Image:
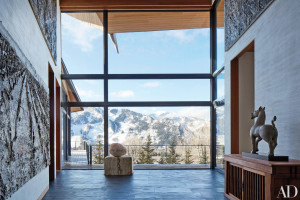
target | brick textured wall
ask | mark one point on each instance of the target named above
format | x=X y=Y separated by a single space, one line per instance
x=239 y=15
x=24 y=120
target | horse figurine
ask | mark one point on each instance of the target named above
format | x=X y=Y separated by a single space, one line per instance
x=261 y=131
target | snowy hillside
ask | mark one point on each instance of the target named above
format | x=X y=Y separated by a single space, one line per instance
x=131 y=127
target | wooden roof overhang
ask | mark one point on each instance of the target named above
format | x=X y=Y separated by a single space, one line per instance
x=97 y=5
x=70 y=90
x=166 y=15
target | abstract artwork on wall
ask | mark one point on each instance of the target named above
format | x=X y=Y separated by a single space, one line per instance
x=45 y=12
x=239 y=15
x=24 y=119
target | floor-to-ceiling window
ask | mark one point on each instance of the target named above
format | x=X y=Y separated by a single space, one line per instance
x=147 y=86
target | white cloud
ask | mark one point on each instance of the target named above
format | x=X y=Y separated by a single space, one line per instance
x=89 y=95
x=151 y=84
x=183 y=35
x=79 y=33
x=123 y=94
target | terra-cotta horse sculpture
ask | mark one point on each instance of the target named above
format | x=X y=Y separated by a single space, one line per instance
x=261 y=131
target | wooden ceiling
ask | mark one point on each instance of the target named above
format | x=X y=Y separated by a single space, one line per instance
x=96 y=5
x=155 y=21
x=121 y=22
x=220 y=14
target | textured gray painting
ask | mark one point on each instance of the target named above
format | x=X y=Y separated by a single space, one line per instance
x=45 y=11
x=24 y=120
x=239 y=14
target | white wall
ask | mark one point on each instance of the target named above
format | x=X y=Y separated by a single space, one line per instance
x=19 y=20
x=246 y=100
x=277 y=73
x=33 y=188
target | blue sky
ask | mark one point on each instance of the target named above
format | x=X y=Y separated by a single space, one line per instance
x=176 y=51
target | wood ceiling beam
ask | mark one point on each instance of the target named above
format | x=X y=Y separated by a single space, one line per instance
x=85 y=5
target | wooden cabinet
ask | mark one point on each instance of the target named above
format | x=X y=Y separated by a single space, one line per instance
x=253 y=179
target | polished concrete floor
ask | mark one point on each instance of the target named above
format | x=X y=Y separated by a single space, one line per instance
x=143 y=184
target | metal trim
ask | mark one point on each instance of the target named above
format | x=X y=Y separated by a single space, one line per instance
x=82 y=76
x=137 y=104
x=213 y=85
x=98 y=11
x=159 y=76
x=136 y=76
x=105 y=67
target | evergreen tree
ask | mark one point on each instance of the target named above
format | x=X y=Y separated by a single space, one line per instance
x=142 y=157
x=99 y=158
x=162 y=159
x=173 y=157
x=146 y=154
x=188 y=156
x=204 y=156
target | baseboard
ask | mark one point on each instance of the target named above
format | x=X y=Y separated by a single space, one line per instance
x=43 y=193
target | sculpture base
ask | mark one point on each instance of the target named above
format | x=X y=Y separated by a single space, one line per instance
x=118 y=165
x=266 y=157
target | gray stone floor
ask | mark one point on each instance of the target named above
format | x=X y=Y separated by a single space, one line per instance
x=144 y=184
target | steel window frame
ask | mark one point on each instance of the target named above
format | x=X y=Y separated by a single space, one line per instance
x=106 y=77
x=136 y=76
x=215 y=73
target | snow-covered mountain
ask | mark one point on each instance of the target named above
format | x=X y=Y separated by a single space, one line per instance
x=220 y=126
x=131 y=127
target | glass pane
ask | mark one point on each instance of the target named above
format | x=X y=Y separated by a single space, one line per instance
x=87 y=128
x=220 y=35
x=86 y=90
x=82 y=43
x=220 y=86
x=171 y=42
x=159 y=90
x=174 y=135
x=220 y=136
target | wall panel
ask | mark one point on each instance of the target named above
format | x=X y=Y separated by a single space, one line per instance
x=276 y=73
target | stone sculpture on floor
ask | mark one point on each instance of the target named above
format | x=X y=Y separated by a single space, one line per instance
x=117 y=150
x=261 y=131
x=118 y=164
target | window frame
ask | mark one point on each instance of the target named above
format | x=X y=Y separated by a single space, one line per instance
x=106 y=76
